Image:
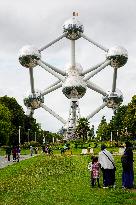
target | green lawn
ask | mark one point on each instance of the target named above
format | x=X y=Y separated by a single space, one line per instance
x=58 y=180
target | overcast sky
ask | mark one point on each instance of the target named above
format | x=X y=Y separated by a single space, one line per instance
x=37 y=22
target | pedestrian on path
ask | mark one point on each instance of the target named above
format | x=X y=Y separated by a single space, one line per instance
x=31 y=150
x=8 y=152
x=14 y=153
x=18 y=153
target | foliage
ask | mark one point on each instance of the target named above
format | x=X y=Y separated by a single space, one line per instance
x=82 y=128
x=15 y=117
x=130 y=117
x=102 y=131
x=5 y=125
x=122 y=124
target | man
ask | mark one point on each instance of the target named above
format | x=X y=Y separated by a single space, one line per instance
x=107 y=166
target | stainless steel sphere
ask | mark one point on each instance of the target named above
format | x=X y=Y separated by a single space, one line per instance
x=74 y=87
x=73 y=28
x=28 y=56
x=113 y=100
x=34 y=100
x=118 y=56
x=77 y=69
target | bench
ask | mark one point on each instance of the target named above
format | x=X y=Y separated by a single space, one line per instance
x=84 y=151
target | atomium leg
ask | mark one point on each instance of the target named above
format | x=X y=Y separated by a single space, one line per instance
x=107 y=62
x=53 y=88
x=73 y=53
x=94 y=87
x=114 y=80
x=57 y=70
x=93 y=68
x=31 y=80
x=96 y=111
x=93 y=42
x=53 y=84
x=52 y=42
x=53 y=113
x=45 y=66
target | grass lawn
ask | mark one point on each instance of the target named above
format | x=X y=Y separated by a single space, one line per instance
x=58 y=180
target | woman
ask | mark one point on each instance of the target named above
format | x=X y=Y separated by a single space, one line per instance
x=106 y=161
x=127 y=166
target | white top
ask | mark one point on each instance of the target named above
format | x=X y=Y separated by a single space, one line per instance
x=104 y=161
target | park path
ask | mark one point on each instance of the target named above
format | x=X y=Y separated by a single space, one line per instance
x=4 y=161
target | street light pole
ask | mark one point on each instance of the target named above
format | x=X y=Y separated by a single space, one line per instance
x=111 y=137
x=19 y=133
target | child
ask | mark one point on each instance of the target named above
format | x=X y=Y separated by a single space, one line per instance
x=94 y=168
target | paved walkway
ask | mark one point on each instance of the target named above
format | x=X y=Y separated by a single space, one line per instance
x=4 y=161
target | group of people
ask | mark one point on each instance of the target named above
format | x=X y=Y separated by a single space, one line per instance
x=47 y=149
x=15 y=153
x=105 y=163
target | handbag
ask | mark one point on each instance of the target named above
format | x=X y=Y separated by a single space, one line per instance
x=110 y=161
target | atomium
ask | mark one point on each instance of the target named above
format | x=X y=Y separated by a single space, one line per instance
x=28 y=56
x=73 y=28
x=114 y=99
x=118 y=56
x=34 y=100
x=74 y=81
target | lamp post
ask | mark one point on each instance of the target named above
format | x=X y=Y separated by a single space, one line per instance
x=28 y=134
x=111 y=137
x=19 y=133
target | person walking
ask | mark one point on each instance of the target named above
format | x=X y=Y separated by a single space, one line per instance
x=94 y=168
x=14 y=153
x=18 y=153
x=8 y=152
x=31 y=150
x=127 y=167
x=108 y=168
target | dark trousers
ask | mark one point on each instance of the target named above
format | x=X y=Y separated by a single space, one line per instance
x=108 y=177
x=93 y=182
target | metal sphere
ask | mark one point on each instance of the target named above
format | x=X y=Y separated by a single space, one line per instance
x=74 y=87
x=28 y=56
x=73 y=28
x=118 y=56
x=113 y=99
x=77 y=69
x=34 y=100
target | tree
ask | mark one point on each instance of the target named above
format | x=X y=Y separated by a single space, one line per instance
x=91 y=134
x=129 y=121
x=116 y=124
x=102 y=131
x=5 y=125
x=82 y=128
x=17 y=116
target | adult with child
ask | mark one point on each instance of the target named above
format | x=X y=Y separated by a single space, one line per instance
x=94 y=168
x=106 y=161
x=127 y=166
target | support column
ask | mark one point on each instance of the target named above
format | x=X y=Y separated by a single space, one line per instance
x=73 y=53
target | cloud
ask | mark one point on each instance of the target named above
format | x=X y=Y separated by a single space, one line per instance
x=39 y=22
